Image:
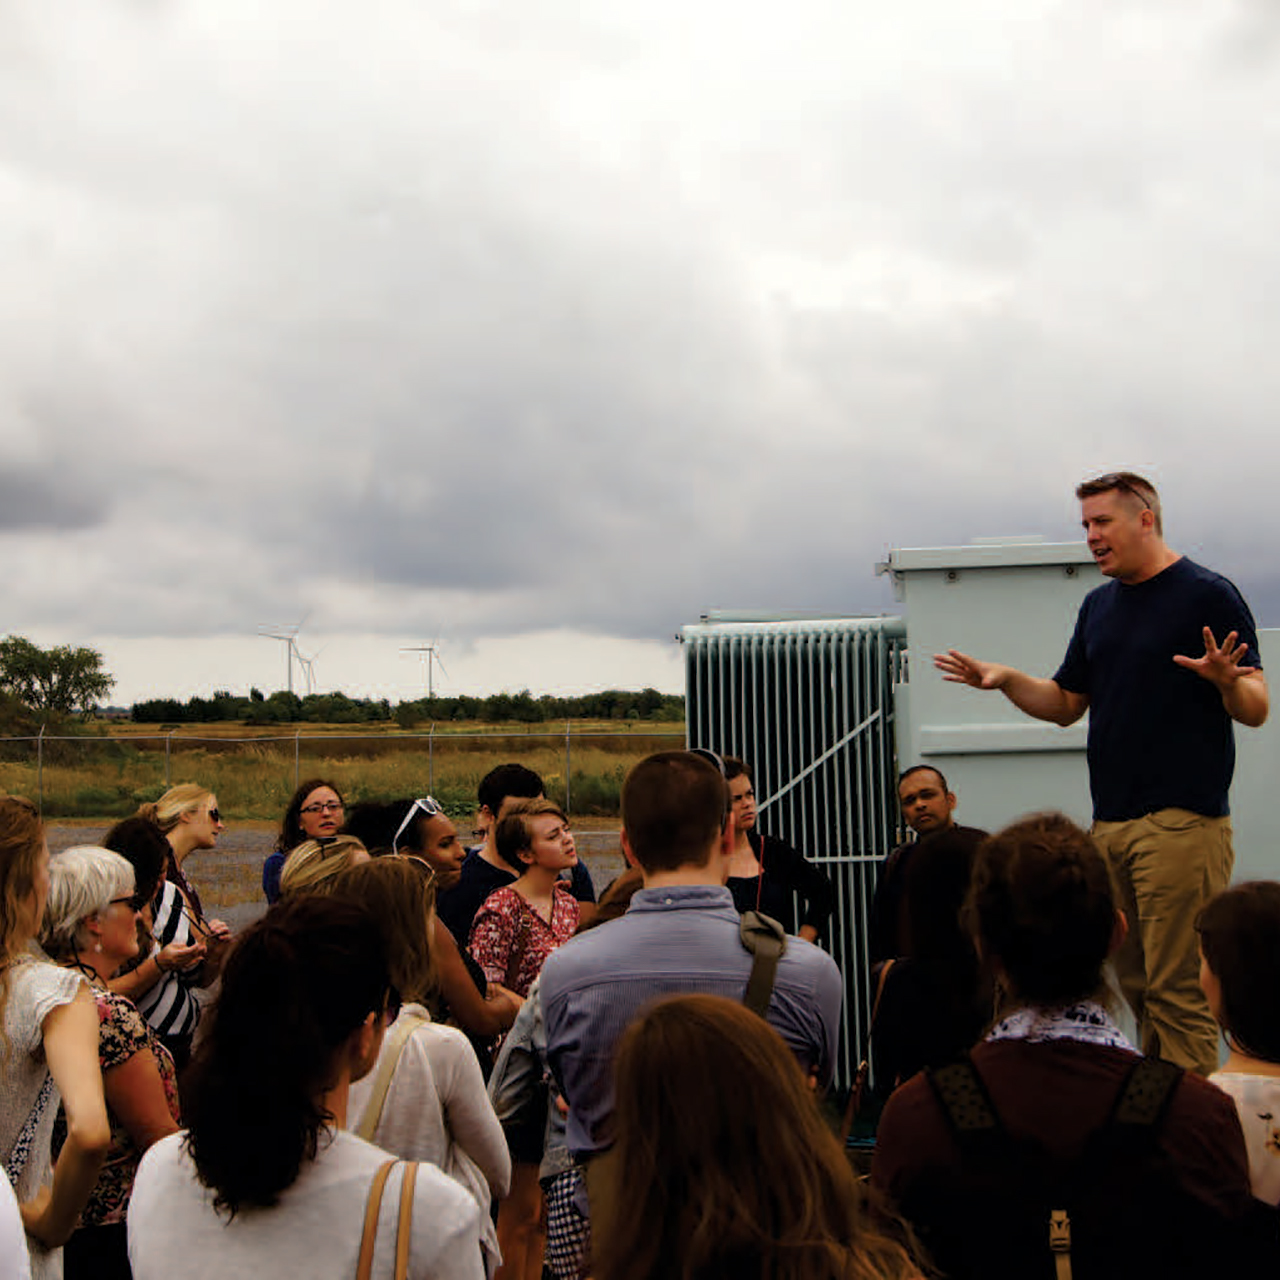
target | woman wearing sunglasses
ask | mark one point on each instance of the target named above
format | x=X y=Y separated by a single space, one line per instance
x=315 y=812
x=188 y=816
x=267 y=1180
x=422 y=828
x=425 y=1099
x=91 y=925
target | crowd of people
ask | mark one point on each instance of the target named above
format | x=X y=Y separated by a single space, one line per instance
x=429 y=1061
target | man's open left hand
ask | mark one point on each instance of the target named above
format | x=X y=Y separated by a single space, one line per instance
x=1221 y=664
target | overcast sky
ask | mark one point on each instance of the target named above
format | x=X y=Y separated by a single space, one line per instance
x=539 y=332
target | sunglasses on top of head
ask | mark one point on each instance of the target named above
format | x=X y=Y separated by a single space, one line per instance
x=430 y=807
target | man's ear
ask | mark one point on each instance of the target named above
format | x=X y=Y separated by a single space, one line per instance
x=627 y=851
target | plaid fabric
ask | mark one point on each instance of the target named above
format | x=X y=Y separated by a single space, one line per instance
x=568 y=1230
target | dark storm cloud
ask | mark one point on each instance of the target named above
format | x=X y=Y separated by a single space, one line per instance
x=537 y=323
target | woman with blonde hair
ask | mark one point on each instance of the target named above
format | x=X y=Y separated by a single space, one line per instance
x=311 y=867
x=91 y=925
x=48 y=1049
x=189 y=818
x=723 y=1164
x=425 y=1099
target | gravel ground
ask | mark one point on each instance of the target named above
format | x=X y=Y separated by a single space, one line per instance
x=229 y=878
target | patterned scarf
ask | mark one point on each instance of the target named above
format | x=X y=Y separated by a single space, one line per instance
x=1086 y=1021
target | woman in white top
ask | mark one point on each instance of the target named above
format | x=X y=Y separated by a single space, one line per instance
x=266 y=1181
x=426 y=1098
x=48 y=1048
x=1240 y=977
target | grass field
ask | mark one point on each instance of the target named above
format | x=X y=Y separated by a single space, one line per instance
x=103 y=777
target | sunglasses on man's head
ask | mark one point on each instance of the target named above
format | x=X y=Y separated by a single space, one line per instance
x=1118 y=480
x=428 y=806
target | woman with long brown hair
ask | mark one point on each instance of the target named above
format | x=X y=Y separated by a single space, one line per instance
x=48 y=1048
x=723 y=1165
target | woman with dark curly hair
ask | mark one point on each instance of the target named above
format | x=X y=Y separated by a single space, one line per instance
x=1240 y=976
x=267 y=1181
x=1054 y=1137
x=315 y=812
x=723 y=1164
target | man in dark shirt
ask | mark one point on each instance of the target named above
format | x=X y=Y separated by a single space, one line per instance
x=1160 y=748
x=927 y=806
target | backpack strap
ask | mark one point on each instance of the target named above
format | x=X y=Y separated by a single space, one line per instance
x=964 y=1100
x=766 y=939
x=1144 y=1098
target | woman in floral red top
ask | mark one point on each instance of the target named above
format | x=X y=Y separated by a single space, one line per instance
x=521 y=924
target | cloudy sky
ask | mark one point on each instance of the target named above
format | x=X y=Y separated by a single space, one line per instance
x=538 y=330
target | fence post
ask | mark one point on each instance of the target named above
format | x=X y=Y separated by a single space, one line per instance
x=168 y=738
x=297 y=762
x=431 y=759
x=40 y=771
x=568 y=764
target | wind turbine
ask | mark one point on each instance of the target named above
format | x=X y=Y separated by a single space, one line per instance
x=431 y=659
x=289 y=636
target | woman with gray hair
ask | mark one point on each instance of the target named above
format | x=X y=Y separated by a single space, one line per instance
x=91 y=925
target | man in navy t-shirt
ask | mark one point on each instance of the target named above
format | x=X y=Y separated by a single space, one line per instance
x=1164 y=657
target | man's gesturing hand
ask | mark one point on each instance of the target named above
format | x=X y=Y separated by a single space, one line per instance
x=1221 y=663
x=961 y=669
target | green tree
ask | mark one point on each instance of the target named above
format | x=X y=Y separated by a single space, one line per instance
x=62 y=679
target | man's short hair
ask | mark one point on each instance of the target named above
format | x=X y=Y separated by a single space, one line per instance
x=674 y=807
x=507 y=780
x=923 y=768
x=1138 y=488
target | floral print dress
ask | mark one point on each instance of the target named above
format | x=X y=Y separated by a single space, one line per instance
x=122 y=1033
x=511 y=941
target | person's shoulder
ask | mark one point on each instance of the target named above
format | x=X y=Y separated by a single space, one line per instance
x=584 y=956
x=161 y=1161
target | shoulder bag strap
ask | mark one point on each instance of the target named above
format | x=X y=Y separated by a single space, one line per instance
x=765 y=938
x=408 y=1024
x=364 y=1263
x=404 y=1228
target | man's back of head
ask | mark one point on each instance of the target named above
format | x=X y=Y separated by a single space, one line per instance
x=505 y=782
x=674 y=807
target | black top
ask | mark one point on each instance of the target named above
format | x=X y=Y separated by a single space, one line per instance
x=784 y=873
x=1159 y=736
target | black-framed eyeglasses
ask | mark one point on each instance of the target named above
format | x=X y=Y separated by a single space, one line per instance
x=429 y=806
x=135 y=902
x=214 y=815
x=1119 y=480
x=323 y=806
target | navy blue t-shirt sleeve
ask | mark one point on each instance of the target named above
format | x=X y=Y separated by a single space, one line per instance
x=580 y=883
x=1228 y=612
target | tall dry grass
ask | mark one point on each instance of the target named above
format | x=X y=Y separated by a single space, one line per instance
x=110 y=777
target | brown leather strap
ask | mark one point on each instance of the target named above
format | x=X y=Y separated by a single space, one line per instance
x=404 y=1228
x=364 y=1265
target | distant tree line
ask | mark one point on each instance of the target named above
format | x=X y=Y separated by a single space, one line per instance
x=283 y=707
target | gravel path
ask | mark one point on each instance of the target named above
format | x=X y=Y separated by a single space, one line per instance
x=229 y=878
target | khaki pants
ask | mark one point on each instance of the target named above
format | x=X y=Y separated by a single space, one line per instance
x=1168 y=864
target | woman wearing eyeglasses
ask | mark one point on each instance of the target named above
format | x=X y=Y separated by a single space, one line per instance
x=426 y=1098
x=90 y=925
x=188 y=816
x=267 y=1180
x=315 y=812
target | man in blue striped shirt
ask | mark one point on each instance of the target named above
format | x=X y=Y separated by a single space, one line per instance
x=680 y=934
